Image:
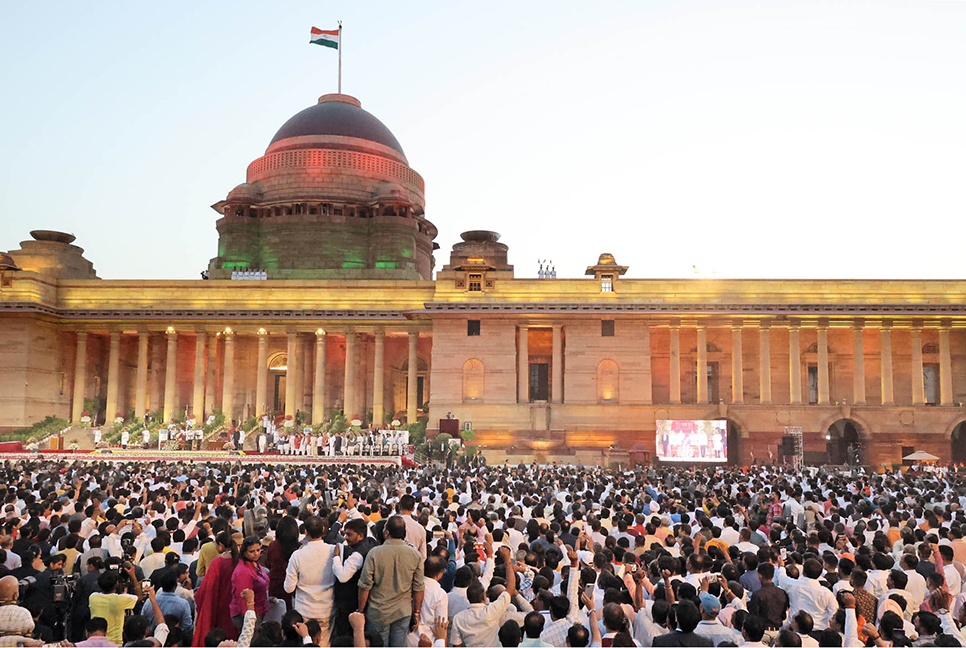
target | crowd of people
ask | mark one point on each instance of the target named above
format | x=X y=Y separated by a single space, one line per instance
x=180 y=554
x=274 y=439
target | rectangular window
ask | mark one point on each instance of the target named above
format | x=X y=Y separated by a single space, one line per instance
x=930 y=381
x=473 y=327
x=812 y=384
x=607 y=328
x=475 y=282
x=606 y=283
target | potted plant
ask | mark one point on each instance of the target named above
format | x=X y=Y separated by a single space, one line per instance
x=85 y=419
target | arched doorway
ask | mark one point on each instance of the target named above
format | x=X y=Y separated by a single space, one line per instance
x=734 y=442
x=277 y=367
x=843 y=443
x=958 y=444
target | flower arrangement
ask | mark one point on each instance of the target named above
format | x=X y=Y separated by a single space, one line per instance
x=33 y=447
x=228 y=446
x=100 y=445
x=118 y=419
x=73 y=447
x=191 y=422
x=289 y=422
x=85 y=418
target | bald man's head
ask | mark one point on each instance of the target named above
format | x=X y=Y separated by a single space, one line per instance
x=9 y=588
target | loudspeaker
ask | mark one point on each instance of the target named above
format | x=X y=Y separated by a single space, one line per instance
x=788 y=445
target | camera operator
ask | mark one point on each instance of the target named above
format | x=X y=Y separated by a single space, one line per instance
x=120 y=591
x=80 y=602
x=14 y=620
x=51 y=592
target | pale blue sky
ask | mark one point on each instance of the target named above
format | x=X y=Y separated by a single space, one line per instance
x=758 y=139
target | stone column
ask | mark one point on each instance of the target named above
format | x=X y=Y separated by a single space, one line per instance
x=80 y=378
x=291 y=379
x=210 y=388
x=318 y=388
x=412 y=394
x=886 y=362
x=141 y=380
x=794 y=365
x=674 y=375
x=378 y=379
x=228 y=382
x=823 y=389
x=858 y=365
x=918 y=389
x=737 y=377
x=113 y=369
x=261 y=375
x=198 y=393
x=523 y=366
x=349 y=390
x=945 y=368
x=556 y=366
x=647 y=385
x=764 y=369
x=170 y=376
x=702 y=369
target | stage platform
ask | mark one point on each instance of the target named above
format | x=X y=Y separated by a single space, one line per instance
x=202 y=456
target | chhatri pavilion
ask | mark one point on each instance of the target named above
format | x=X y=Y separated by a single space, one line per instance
x=325 y=295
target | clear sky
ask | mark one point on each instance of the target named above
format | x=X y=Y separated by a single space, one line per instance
x=748 y=139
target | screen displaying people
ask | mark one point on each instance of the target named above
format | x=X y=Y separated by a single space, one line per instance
x=692 y=440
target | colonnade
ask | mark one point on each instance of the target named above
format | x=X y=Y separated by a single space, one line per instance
x=738 y=354
x=203 y=389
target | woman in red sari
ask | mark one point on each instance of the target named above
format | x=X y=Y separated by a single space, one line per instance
x=214 y=596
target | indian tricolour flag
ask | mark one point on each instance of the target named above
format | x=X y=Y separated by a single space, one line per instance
x=326 y=38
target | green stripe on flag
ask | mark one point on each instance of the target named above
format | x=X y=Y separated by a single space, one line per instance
x=326 y=43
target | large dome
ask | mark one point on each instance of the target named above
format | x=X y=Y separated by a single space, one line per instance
x=339 y=115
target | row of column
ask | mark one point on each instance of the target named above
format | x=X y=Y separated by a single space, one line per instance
x=203 y=388
x=795 y=365
x=764 y=359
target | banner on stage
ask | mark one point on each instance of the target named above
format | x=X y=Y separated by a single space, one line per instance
x=692 y=441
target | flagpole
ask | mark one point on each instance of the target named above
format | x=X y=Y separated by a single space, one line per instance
x=340 y=57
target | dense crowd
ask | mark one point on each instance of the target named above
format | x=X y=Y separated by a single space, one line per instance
x=258 y=555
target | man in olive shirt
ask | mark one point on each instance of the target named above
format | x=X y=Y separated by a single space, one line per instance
x=392 y=580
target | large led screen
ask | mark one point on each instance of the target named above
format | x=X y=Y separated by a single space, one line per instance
x=692 y=441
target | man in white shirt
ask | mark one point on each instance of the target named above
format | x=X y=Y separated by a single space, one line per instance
x=309 y=575
x=807 y=594
x=415 y=532
x=435 y=600
x=479 y=624
x=457 y=597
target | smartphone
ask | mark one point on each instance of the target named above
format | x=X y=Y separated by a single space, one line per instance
x=589 y=591
x=145 y=584
x=439 y=534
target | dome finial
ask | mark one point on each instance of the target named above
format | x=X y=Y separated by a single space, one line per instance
x=341 y=98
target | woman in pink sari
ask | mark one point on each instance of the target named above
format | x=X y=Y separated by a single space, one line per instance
x=213 y=598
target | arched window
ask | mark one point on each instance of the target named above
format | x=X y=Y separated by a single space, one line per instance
x=608 y=381
x=472 y=381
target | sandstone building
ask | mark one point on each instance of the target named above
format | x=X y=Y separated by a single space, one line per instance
x=322 y=297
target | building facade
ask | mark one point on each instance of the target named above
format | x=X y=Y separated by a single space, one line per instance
x=322 y=298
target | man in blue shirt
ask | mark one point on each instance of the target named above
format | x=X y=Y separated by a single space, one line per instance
x=166 y=581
